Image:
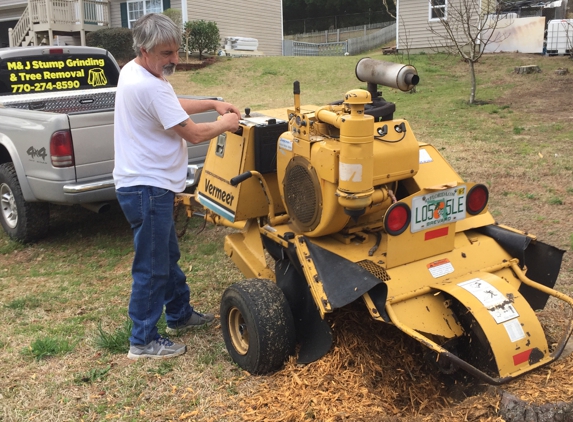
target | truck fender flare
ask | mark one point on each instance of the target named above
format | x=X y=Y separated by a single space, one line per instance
x=7 y=144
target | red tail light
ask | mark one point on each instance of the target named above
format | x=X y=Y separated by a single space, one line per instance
x=397 y=218
x=477 y=199
x=62 y=149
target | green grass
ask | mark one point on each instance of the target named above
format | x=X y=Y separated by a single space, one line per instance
x=93 y=375
x=45 y=347
x=116 y=341
x=27 y=302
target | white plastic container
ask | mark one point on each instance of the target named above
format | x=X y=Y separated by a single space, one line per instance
x=559 y=37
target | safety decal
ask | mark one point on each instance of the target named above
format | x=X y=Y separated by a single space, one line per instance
x=424 y=157
x=499 y=307
x=350 y=172
x=285 y=144
x=440 y=268
x=514 y=330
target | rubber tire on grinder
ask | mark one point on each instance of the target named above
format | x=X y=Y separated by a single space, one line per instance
x=257 y=324
x=32 y=220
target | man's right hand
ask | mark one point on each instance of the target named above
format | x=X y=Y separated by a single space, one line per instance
x=231 y=121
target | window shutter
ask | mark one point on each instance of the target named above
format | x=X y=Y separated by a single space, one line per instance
x=167 y=4
x=123 y=9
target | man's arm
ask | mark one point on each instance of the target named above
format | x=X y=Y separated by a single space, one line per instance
x=199 y=106
x=195 y=133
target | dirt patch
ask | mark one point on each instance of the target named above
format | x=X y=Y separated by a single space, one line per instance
x=549 y=99
x=195 y=64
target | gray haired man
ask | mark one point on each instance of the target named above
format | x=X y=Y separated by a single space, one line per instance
x=152 y=127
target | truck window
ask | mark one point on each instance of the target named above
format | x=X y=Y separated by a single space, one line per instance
x=56 y=72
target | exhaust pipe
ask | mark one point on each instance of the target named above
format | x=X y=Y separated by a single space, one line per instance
x=97 y=207
x=392 y=75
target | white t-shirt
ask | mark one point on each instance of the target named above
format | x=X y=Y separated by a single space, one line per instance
x=147 y=150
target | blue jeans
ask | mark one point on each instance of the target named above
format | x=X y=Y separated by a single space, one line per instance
x=157 y=279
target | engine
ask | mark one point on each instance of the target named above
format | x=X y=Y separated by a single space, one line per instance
x=339 y=165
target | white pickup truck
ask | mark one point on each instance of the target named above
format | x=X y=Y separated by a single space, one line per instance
x=56 y=134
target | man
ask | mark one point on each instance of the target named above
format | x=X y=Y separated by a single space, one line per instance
x=151 y=127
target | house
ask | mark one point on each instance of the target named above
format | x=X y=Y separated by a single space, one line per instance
x=416 y=19
x=57 y=21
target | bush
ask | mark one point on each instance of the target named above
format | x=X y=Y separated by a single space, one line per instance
x=201 y=36
x=118 y=41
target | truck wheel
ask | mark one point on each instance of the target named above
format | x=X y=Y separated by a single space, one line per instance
x=23 y=221
x=258 y=327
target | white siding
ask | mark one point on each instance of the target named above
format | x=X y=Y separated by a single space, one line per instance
x=413 y=26
x=8 y=4
x=115 y=14
x=12 y=9
x=11 y=14
x=260 y=19
x=116 y=11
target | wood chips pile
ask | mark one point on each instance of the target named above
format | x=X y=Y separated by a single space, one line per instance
x=375 y=373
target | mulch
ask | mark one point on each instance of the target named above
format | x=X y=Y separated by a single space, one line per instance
x=376 y=373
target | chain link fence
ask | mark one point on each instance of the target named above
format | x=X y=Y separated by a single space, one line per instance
x=303 y=26
x=351 y=46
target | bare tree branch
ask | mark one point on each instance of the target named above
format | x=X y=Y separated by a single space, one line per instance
x=385 y=3
x=466 y=28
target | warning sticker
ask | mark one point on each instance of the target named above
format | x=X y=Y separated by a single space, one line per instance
x=285 y=144
x=514 y=330
x=424 y=157
x=440 y=268
x=503 y=313
x=488 y=295
x=499 y=307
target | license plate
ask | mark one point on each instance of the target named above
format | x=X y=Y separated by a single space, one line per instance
x=438 y=208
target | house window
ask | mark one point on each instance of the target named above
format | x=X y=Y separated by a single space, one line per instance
x=136 y=9
x=438 y=9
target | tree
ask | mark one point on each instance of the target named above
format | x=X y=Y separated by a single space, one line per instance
x=465 y=28
x=175 y=15
x=202 y=36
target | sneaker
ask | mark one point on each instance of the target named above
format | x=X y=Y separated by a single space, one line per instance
x=195 y=320
x=160 y=348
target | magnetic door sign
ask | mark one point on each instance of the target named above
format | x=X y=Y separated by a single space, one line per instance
x=53 y=73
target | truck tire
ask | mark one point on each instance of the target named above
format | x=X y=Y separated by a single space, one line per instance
x=257 y=324
x=22 y=221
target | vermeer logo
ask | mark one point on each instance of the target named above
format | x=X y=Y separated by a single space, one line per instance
x=218 y=193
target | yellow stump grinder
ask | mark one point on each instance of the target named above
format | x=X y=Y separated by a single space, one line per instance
x=340 y=203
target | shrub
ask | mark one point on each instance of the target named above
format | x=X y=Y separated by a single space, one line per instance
x=201 y=36
x=118 y=41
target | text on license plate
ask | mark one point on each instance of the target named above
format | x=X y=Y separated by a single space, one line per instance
x=438 y=208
